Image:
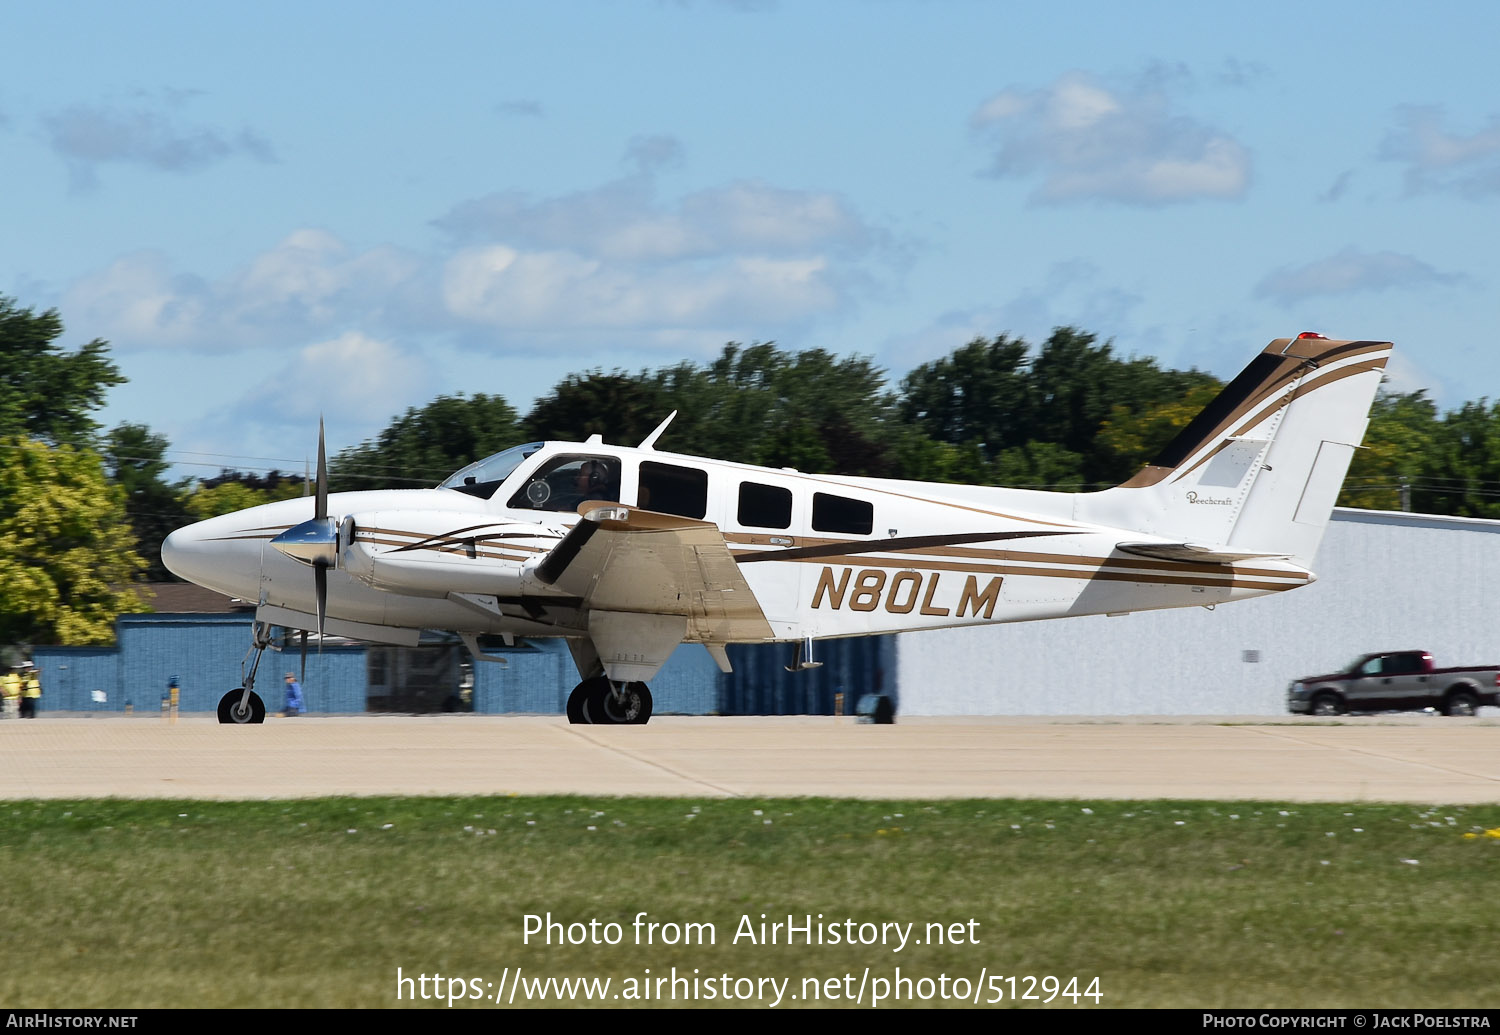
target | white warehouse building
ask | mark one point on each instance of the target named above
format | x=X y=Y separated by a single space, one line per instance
x=1386 y=581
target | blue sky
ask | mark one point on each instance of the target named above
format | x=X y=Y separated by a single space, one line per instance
x=278 y=210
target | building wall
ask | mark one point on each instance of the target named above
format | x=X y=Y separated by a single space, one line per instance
x=853 y=667
x=203 y=652
x=1386 y=581
x=538 y=676
x=70 y=675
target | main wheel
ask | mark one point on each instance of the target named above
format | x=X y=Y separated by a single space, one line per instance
x=230 y=711
x=632 y=707
x=1461 y=702
x=580 y=694
x=1327 y=704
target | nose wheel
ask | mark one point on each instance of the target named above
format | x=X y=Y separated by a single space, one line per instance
x=241 y=706
x=602 y=702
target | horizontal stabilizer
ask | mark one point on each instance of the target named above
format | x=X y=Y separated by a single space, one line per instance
x=1195 y=552
x=624 y=559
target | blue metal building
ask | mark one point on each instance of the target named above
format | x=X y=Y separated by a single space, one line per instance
x=203 y=653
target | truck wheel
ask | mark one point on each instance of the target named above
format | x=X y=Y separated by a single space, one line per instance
x=1327 y=704
x=1461 y=702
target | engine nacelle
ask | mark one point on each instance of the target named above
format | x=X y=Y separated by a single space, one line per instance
x=426 y=553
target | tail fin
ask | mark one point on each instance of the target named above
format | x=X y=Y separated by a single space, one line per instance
x=1258 y=470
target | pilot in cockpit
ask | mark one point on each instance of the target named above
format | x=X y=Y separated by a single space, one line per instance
x=595 y=481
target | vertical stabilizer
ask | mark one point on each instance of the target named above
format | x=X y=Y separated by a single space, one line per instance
x=1258 y=470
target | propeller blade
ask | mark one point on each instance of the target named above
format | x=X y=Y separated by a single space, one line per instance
x=304 y=657
x=320 y=575
x=321 y=506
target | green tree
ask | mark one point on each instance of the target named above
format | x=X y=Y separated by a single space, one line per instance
x=135 y=458
x=67 y=555
x=46 y=393
x=1462 y=472
x=1078 y=385
x=225 y=495
x=810 y=410
x=1399 y=449
x=424 y=446
x=980 y=394
x=620 y=407
x=1133 y=438
x=757 y=404
x=1041 y=419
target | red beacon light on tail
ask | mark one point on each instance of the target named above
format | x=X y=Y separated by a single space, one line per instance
x=1312 y=334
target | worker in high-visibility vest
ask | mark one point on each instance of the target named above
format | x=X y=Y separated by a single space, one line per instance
x=31 y=690
x=10 y=692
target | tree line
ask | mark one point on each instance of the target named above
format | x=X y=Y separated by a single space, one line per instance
x=83 y=510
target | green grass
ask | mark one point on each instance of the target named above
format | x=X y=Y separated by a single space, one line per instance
x=112 y=903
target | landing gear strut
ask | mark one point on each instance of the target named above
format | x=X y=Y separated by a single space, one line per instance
x=603 y=702
x=243 y=705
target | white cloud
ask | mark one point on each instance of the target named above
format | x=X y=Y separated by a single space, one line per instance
x=308 y=283
x=611 y=268
x=353 y=379
x=502 y=287
x=87 y=136
x=1089 y=142
x=746 y=254
x=1349 y=271
x=623 y=221
x=1437 y=160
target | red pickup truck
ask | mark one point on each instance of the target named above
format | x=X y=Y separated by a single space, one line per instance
x=1395 y=681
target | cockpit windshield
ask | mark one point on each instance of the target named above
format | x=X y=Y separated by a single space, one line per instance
x=483 y=477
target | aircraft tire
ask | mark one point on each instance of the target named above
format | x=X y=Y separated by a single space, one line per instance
x=576 y=714
x=228 y=715
x=601 y=708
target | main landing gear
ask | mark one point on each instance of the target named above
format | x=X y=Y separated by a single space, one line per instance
x=602 y=702
x=243 y=705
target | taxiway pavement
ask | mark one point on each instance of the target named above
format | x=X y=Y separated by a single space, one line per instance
x=1418 y=759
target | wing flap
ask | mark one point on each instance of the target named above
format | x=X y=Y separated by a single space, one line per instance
x=636 y=561
x=1195 y=552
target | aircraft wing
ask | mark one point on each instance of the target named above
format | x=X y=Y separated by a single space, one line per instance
x=621 y=558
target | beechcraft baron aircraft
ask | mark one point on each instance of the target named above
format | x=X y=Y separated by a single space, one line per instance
x=628 y=553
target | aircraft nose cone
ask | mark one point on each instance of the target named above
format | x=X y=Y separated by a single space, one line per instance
x=177 y=551
x=214 y=554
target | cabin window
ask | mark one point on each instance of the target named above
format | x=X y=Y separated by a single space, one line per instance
x=566 y=481
x=841 y=514
x=669 y=489
x=765 y=506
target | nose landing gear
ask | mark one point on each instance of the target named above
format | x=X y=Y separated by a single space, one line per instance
x=243 y=705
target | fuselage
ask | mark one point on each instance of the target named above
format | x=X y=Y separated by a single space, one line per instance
x=824 y=556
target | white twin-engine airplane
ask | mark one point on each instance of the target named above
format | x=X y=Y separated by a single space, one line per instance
x=628 y=553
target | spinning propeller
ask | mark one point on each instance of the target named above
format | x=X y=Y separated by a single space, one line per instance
x=315 y=542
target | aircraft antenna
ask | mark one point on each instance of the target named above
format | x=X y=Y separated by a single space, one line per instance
x=649 y=442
